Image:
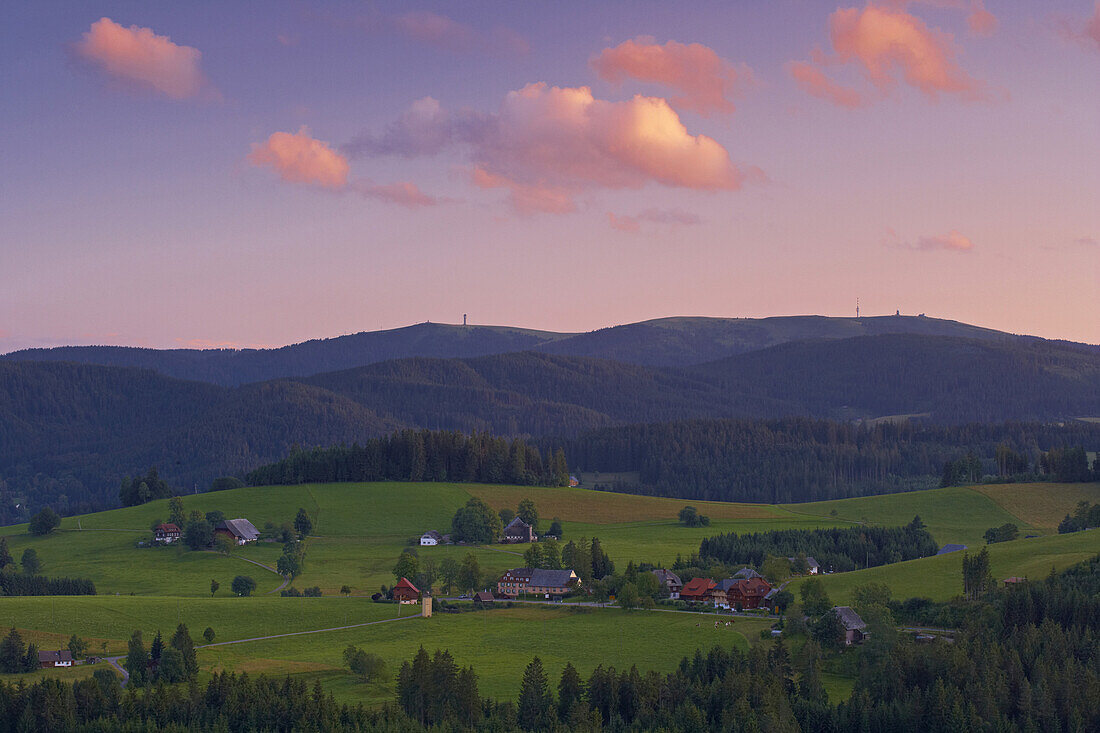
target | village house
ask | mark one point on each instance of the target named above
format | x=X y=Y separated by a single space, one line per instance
x=483 y=597
x=167 y=533
x=740 y=593
x=697 y=589
x=812 y=566
x=547 y=583
x=61 y=658
x=405 y=592
x=1014 y=580
x=430 y=538
x=238 y=530
x=518 y=531
x=670 y=581
x=747 y=573
x=854 y=626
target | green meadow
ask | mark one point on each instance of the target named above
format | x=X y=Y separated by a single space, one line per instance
x=360 y=529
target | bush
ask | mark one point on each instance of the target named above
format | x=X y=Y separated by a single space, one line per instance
x=314 y=592
x=225 y=483
x=243 y=585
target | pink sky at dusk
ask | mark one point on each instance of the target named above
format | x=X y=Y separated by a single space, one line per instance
x=181 y=176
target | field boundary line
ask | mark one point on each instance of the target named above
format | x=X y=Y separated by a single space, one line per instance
x=311 y=631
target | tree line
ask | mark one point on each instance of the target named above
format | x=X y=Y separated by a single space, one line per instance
x=421 y=455
x=802 y=459
x=838 y=548
x=30 y=583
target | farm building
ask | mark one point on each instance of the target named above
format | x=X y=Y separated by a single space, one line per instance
x=405 y=592
x=483 y=596
x=670 y=581
x=747 y=574
x=61 y=658
x=697 y=589
x=950 y=548
x=238 y=530
x=854 y=626
x=167 y=533
x=740 y=593
x=812 y=566
x=429 y=538
x=518 y=531
x=1014 y=580
x=547 y=583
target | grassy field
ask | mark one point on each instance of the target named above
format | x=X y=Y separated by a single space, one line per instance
x=498 y=643
x=1041 y=505
x=940 y=577
x=956 y=514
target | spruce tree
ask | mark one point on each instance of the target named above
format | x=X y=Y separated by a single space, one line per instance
x=181 y=641
x=137 y=659
x=5 y=556
x=570 y=691
x=11 y=652
x=535 y=702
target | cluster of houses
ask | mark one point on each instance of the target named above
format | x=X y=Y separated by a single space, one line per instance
x=516 y=532
x=747 y=589
x=240 y=531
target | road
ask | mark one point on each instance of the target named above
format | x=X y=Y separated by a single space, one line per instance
x=113 y=661
x=312 y=631
x=593 y=604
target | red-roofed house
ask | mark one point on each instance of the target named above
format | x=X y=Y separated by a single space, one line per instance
x=697 y=589
x=166 y=532
x=406 y=592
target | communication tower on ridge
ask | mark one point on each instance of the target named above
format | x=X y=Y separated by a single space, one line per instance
x=463 y=319
x=857 y=307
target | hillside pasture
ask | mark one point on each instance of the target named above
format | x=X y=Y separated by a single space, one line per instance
x=499 y=643
x=1042 y=505
x=940 y=577
x=953 y=515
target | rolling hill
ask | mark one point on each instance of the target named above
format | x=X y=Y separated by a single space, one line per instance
x=662 y=342
x=70 y=432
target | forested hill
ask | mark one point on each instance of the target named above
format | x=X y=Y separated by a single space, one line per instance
x=661 y=342
x=240 y=366
x=69 y=433
x=944 y=379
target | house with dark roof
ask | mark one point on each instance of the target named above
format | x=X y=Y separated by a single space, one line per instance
x=405 y=592
x=238 y=530
x=518 y=531
x=855 y=630
x=740 y=593
x=166 y=532
x=950 y=548
x=697 y=589
x=483 y=597
x=812 y=566
x=747 y=573
x=61 y=658
x=431 y=537
x=547 y=583
x=669 y=581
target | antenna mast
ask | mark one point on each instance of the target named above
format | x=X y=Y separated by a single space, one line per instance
x=857 y=307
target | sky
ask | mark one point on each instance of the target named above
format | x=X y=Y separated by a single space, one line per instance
x=242 y=175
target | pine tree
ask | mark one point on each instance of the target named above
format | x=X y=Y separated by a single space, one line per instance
x=535 y=702
x=137 y=659
x=181 y=641
x=5 y=556
x=11 y=652
x=156 y=648
x=570 y=691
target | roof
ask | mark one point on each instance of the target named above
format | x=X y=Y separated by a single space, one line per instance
x=697 y=586
x=404 y=583
x=484 y=596
x=755 y=586
x=518 y=525
x=551 y=578
x=241 y=528
x=747 y=573
x=667 y=576
x=64 y=655
x=167 y=527
x=849 y=618
x=433 y=534
x=950 y=548
x=1014 y=579
x=811 y=562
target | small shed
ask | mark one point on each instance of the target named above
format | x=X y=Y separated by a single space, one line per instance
x=484 y=597
x=855 y=629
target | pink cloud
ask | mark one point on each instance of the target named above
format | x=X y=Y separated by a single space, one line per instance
x=299 y=158
x=953 y=241
x=139 y=56
x=403 y=193
x=814 y=82
x=633 y=224
x=889 y=44
x=706 y=82
x=981 y=22
x=547 y=144
x=884 y=42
